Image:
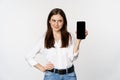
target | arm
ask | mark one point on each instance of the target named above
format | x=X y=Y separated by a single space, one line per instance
x=48 y=66
x=40 y=67
x=76 y=46
x=30 y=58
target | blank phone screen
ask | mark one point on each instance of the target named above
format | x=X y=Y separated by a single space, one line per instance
x=80 y=29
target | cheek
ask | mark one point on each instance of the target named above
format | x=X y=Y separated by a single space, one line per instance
x=61 y=24
x=51 y=24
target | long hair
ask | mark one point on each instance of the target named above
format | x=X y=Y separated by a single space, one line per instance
x=65 y=35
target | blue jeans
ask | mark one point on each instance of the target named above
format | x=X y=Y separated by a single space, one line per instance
x=55 y=76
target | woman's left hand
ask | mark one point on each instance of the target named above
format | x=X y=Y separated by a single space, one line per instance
x=86 y=33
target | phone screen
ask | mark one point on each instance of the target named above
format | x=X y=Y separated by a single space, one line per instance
x=81 y=29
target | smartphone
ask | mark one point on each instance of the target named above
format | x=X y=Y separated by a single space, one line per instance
x=81 y=29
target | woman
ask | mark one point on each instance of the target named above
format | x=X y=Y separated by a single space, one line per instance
x=60 y=47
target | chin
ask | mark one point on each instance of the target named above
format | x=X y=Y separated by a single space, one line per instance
x=56 y=30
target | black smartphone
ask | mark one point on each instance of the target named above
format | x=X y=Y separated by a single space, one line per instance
x=81 y=29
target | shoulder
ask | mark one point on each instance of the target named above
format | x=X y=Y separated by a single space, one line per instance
x=40 y=41
x=42 y=37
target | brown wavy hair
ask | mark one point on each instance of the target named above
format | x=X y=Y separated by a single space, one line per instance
x=49 y=39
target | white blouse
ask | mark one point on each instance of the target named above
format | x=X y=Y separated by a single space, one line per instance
x=61 y=58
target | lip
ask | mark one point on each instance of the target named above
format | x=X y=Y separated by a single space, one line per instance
x=56 y=27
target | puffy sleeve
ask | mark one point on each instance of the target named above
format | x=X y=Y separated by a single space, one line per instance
x=73 y=56
x=30 y=57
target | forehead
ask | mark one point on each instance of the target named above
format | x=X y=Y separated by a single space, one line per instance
x=57 y=17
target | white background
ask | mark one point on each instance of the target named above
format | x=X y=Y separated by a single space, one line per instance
x=22 y=22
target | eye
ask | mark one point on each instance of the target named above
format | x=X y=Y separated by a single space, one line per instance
x=53 y=20
x=60 y=20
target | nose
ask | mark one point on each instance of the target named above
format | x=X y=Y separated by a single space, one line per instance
x=56 y=22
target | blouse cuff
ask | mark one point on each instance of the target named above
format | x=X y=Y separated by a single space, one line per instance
x=75 y=55
x=31 y=62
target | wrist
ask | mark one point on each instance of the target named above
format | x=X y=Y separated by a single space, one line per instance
x=44 y=69
x=78 y=40
x=40 y=67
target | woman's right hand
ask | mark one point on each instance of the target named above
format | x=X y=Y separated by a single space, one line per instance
x=49 y=66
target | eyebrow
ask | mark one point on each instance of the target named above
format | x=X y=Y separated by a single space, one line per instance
x=56 y=20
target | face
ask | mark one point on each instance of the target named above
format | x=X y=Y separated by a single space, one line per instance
x=56 y=22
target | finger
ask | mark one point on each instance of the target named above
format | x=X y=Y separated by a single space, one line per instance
x=86 y=32
x=49 y=66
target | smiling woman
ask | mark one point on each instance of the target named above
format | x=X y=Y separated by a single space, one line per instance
x=60 y=47
x=22 y=22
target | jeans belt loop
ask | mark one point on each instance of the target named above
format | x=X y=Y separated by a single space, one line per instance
x=54 y=70
x=67 y=71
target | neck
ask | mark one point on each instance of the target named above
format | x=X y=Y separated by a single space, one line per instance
x=57 y=35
